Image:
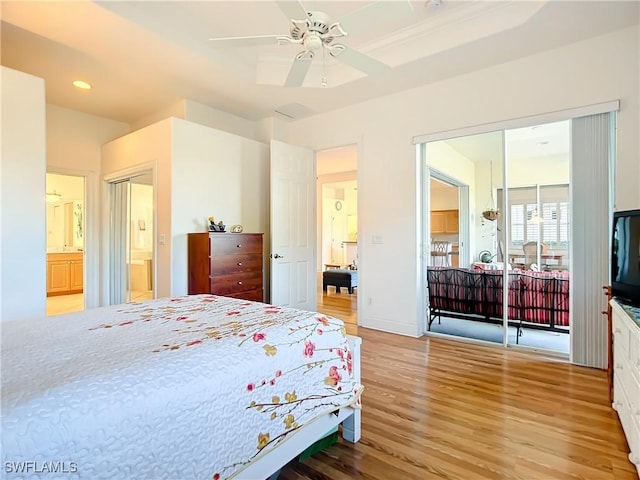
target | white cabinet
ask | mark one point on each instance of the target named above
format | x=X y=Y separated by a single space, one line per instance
x=626 y=376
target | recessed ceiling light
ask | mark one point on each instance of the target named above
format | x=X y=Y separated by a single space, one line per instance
x=82 y=85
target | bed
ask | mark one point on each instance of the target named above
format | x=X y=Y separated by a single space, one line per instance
x=198 y=386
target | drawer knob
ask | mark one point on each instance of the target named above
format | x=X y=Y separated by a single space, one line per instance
x=617 y=331
x=239 y=245
x=634 y=459
x=239 y=264
x=239 y=283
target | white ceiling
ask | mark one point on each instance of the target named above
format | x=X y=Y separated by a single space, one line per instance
x=143 y=56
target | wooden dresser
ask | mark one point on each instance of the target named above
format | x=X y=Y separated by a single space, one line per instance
x=228 y=264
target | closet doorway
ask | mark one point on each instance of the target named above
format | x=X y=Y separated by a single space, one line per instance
x=131 y=243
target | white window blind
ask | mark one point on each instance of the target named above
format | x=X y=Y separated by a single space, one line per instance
x=592 y=149
x=547 y=222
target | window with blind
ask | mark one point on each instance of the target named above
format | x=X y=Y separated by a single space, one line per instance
x=546 y=221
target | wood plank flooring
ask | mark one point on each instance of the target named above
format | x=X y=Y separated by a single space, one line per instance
x=440 y=409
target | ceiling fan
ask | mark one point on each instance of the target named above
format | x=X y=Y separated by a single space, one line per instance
x=316 y=31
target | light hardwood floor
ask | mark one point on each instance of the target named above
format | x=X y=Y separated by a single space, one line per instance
x=439 y=409
x=75 y=302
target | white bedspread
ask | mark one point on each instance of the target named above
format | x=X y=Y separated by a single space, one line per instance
x=189 y=387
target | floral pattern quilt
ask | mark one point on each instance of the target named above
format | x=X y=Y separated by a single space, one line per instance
x=188 y=387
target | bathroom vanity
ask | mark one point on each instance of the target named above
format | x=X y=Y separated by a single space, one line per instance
x=64 y=273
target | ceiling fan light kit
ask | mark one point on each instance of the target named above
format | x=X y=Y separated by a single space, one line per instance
x=315 y=30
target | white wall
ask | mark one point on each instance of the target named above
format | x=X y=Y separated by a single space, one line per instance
x=22 y=202
x=538 y=171
x=215 y=173
x=580 y=74
x=142 y=216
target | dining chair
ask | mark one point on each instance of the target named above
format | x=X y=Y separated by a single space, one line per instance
x=530 y=250
x=440 y=253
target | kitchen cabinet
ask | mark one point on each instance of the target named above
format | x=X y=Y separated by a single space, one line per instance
x=444 y=221
x=65 y=273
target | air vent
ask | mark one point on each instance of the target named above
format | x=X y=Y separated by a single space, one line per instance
x=294 y=111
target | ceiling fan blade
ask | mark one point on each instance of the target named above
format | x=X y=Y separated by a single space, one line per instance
x=358 y=60
x=245 y=41
x=298 y=72
x=374 y=14
x=293 y=9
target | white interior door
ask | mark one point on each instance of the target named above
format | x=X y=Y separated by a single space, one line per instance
x=293 y=226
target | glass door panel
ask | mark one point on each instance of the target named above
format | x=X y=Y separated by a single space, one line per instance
x=131 y=239
x=535 y=231
x=465 y=300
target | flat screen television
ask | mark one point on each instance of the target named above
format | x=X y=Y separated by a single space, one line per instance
x=625 y=256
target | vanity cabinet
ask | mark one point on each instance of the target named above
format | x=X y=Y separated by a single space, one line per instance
x=444 y=221
x=227 y=264
x=626 y=375
x=65 y=273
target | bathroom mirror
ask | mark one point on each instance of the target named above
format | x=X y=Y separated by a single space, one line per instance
x=65 y=225
x=65 y=213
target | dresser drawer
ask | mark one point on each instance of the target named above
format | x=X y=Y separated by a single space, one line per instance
x=235 y=283
x=226 y=264
x=232 y=244
x=623 y=371
x=253 y=295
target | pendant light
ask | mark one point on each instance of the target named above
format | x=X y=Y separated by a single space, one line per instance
x=491 y=213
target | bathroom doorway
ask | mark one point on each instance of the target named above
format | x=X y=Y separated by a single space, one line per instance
x=65 y=226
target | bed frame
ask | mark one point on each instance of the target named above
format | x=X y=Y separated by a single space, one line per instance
x=268 y=466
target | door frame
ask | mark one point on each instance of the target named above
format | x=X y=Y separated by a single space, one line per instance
x=105 y=256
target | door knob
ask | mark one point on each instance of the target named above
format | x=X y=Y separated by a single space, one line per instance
x=275 y=255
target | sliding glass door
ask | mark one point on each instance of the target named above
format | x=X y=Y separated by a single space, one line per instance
x=514 y=288
x=131 y=245
x=535 y=229
x=551 y=228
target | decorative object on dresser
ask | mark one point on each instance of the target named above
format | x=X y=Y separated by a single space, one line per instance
x=625 y=321
x=215 y=227
x=228 y=265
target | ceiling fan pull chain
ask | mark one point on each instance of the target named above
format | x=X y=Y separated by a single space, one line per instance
x=323 y=82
